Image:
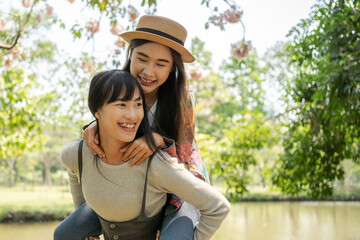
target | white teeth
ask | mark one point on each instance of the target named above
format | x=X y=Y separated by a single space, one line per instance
x=129 y=126
x=148 y=81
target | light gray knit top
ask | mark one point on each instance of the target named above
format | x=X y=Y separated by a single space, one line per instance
x=115 y=191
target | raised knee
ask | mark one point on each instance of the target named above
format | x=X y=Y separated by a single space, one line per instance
x=58 y=233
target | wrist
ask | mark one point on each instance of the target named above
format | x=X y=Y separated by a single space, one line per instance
x=159 y=140
x=87 y=125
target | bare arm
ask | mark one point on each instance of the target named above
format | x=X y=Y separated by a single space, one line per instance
x=91 y=137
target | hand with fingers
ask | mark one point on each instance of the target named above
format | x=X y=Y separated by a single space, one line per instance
x=91 y=137
x=158 y=235
x=138 y=150
x=92 y=238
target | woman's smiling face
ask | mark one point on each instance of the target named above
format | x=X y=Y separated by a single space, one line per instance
x=151 y=64
x=121 y=119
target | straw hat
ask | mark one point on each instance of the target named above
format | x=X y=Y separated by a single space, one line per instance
x=161 y=30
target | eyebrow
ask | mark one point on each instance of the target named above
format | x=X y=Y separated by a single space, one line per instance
x=136 y=100
x=160 y=59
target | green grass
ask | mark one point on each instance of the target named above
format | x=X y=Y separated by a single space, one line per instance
x=37 y=203
x=339 y=194
x=43 y=203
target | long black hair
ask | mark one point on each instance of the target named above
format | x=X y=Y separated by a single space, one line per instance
x=171 y=112
x=105 y=88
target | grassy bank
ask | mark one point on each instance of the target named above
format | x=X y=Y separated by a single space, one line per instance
x=343 y=194
x=34 y=204
x=41 y=203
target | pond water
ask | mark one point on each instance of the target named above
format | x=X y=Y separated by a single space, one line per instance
x=253 y=221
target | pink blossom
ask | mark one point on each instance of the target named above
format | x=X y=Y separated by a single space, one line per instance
x=195 y=73
x=217 y=20
x=120 y=42
x=16 y=51
x=133 y=16
x=26 y=3
x=88 y=67
x=114 y=6
x=241 y=49
x=232 y=16
x=49 y=10
x=117 y=51
x=2 y=25
x=8 y=60
x=93 y=26
x=71 y=1
x=133 y=13
x=39 y=18
x=116 y=30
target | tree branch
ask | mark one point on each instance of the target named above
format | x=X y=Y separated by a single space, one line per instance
x=20 y=31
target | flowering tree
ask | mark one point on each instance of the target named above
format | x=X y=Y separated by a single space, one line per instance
x=113 y=10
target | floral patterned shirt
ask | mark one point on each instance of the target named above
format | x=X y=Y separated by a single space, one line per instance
x=186 y=152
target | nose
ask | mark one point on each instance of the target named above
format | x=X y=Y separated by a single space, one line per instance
x=148 y=70
x=130 y=113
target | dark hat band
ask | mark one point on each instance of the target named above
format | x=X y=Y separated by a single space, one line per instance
x=160 y=33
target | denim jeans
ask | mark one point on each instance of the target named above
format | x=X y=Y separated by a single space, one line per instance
x=80 y=224
x=84 y=222
x=180 y=225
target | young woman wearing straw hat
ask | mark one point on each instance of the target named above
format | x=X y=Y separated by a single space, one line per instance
x=156 y=57
x=130 y=200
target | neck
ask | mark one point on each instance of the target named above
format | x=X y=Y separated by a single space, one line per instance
x=111 y=148
x=151 y=98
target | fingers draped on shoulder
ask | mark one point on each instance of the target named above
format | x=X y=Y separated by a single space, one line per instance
x=137 y=151
x=93 y=142
x=139 y=158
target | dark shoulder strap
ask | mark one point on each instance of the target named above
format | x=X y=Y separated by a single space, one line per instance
x=142 y=212
x=80 y=158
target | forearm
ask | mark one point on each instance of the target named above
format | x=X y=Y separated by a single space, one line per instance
x=76 y=191
x=168 y=146
x=211 y=216
x=212 y=205
x=160 y=142
x=87 y=125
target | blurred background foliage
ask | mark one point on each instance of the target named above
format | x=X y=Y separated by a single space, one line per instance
x=307 y=144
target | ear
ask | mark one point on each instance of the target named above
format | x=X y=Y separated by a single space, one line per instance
x=97 y=115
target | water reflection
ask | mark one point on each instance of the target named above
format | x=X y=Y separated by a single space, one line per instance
x=253 y=221
x=28 y=231
x=292 y=221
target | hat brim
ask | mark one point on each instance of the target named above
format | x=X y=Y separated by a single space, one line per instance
x=186 y=56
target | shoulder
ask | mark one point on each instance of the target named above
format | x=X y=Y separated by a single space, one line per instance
x=69 y=154
x=163 y=164
x=167 y=175
x=164 y=158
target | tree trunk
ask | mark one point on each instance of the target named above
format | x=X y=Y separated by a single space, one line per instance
x=11 y=164
x=47 y=172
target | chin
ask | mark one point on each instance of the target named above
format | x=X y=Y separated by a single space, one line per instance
x=128 y=140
